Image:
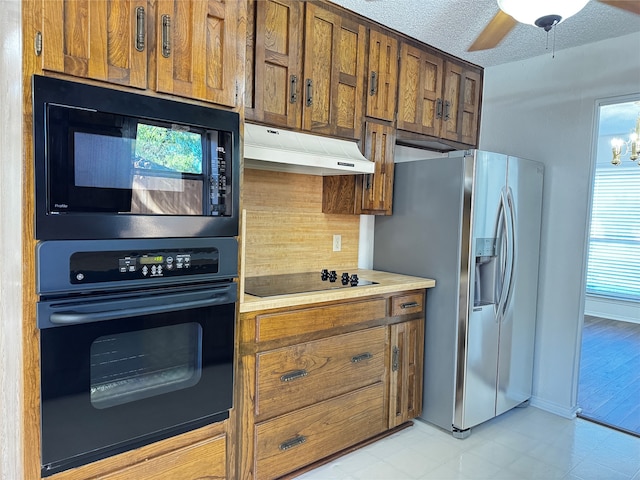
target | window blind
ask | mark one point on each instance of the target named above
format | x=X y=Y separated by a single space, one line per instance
x=613 y=268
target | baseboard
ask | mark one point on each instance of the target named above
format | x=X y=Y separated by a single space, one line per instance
x=552 y=407
x=621 y=310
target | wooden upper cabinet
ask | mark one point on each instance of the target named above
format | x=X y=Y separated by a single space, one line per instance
x=102 y=40
x=383 y=76
x=334 y=69
x=199 y=52
x=274 y=83
x=375 y=191
x=191 y=48
x=420 y=101
x=438 y=97
x=461 y=103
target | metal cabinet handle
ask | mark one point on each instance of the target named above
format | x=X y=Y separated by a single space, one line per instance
x=409 y=305
x=166 y=36
x=293 y=88
x=309 y=85
x=395 y=359
x=447 y=107
x=373 y=89
x=361 y=357
x=140 y=29
x=439 y=108
x=294 y=375
x=293 y=442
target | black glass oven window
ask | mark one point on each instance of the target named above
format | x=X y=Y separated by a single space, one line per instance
x=130 y=366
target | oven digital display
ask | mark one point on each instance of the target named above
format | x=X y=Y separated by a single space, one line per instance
x=151 y=260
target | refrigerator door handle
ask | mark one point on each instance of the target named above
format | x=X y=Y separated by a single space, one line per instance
x=502 y=236
x=511 y=250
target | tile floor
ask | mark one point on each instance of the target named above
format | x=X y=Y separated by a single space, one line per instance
x=525 y=443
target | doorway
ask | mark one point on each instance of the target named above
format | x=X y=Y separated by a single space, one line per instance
x=609 y=382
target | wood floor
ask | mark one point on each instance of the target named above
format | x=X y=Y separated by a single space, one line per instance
x=609 y=387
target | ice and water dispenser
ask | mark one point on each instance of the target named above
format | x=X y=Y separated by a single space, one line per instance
x=487 y=268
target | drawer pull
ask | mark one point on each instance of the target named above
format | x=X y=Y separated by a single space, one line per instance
x=361 y=357
x=293 y=442
x=409 y=305
x=294 y=375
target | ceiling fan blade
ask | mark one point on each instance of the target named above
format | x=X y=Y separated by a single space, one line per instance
x=632 y=6
x=494 y=32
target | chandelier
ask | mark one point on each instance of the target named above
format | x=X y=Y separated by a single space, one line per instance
x=541 y=13
x=620 y=148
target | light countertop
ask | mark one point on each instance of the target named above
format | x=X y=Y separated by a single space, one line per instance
x=386 y=283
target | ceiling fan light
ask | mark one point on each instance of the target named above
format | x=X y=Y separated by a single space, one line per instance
x=529 y=11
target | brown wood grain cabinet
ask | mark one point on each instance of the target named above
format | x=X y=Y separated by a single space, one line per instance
x=323 y=94
x=190 y=48
x=382 y=87
x=370 y=194
x=99 y=40
x=273 y=73
x=198 y=454
x=334 y=66
x=325 y=383
x=375 y=191
x=438 y=96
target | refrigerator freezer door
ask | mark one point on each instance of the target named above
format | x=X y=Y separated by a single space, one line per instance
x=517 y=329
x=478 y=358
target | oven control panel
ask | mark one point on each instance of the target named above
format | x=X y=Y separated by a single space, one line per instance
x=83 y=266
x=100 y=266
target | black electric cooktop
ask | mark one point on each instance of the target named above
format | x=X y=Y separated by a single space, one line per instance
x=270 y=285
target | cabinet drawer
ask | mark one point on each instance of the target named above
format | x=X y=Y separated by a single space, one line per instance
x=273 y=326
x=294 y=377
x=291 y=441
x=205 y=459
x=407 y=304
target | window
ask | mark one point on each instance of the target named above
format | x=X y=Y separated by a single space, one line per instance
x=613 y=268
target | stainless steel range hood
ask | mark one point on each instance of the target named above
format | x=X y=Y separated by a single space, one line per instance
x=268 y=148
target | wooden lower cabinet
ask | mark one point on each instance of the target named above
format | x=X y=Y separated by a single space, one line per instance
x=206 y=459
x=328 y=381
x=294 y=440
x=405 y=382
x=293 y=377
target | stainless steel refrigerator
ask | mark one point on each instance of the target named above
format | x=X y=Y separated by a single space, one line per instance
x=471 y=222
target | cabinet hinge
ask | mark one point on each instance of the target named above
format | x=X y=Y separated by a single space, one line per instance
x=38 y=43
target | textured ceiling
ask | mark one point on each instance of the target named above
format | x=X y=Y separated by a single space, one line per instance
x=453 y=25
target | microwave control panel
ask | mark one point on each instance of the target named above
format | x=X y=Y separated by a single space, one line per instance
x=99 y=266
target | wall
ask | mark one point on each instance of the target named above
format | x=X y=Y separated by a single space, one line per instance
x=285 y=230
x=11 y=239
x=545 y=109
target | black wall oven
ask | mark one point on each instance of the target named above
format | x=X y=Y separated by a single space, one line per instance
x=114 y=164
x=136 y=340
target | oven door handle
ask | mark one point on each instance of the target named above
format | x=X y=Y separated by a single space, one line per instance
x=76 y=318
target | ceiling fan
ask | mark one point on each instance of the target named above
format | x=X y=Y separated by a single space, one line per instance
x=514 y=11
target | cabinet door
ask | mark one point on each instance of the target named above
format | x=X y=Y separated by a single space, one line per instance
x=461 y=104
x=405 y=396
x=206 y=459
x=333 y=74
x=382 y=89
x=420 y=91
x=99 y=39
x=277 y=64
x=470 y=106
x=376 y=190
x=199 y=46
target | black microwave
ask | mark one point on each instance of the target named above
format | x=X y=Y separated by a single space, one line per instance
x=112 y=164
